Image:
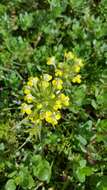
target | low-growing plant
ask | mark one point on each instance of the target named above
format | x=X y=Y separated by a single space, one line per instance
x=53 y=95
x=45 y=96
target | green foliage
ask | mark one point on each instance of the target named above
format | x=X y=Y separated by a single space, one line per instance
x=72 y=154
x=41 y=168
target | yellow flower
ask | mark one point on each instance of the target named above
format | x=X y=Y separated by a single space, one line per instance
x=30 y=83
x=51 y=61
x=57 y=105
x=29 y=98
x=47 y=77
x=48 y=113
x=77 y=68
x=77 y=79
x=25 y=108
x=58 y=116
x=69 y=55
x=57 y=83
x=58 y=73
x=51 y=118
x=48 y=116
x=64 y=99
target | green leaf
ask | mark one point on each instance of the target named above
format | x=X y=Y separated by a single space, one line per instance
x=83 y=172
x=42 y=169
x=79 y=95
x=24 y=179
x=10 y=185
x=81 y=139
x=2 y=147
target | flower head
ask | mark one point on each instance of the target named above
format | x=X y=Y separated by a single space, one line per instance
x=57 y=83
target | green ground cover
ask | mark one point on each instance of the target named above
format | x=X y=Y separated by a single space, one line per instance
x=53 y=95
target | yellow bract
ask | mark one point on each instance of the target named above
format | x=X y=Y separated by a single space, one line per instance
x=57 y=83
x=64 y=99
x=25 y=108
x=52 y=117
x=32 y=81
x=69 y=55
x=47 y=77
x=58 y=116
x=51 y=61
x=58 y=105
x=29 y=98
x=26 y=90
x=45 y=84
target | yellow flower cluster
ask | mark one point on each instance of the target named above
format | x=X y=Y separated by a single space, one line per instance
x=62 y=101
x=66 y=70
x=52 y=117
x=77 y=79
x=44 y=97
